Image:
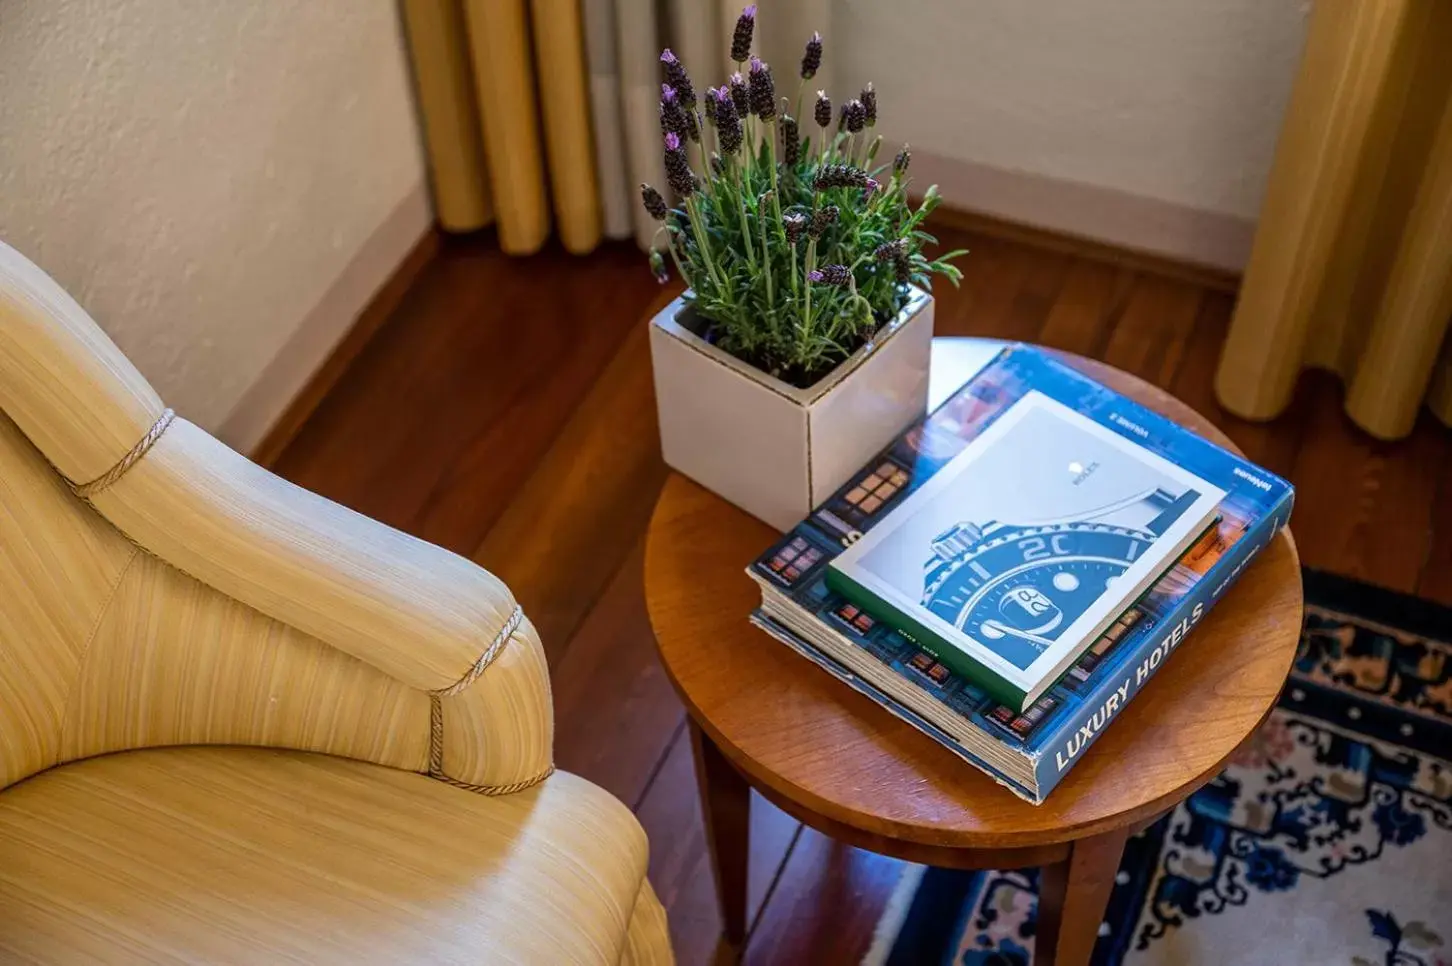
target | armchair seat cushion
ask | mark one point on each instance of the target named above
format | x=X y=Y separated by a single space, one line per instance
x=237 y=855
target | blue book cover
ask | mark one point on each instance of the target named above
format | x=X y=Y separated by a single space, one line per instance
x=1028 y=747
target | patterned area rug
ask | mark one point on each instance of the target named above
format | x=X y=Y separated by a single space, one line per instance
x=1327 y=841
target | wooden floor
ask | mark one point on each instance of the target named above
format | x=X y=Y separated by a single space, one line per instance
x=505 y=411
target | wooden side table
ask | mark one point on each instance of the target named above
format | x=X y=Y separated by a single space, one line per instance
x=764 y=718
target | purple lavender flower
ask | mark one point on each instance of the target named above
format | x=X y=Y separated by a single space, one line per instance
x=869 y=105
x=901 y=162
x=740 y=94
x=653 y=202
x=678 y=170
x=673 y=118
x=822 y=220
x=728 y=122
x=791 y=141
x=841 y=176
x=795 y=224
x=838 y=275
x=761 y=90
x=676 y=76
x=854 y=116
x=812 y=57
x=823 y=112
x=741 y=37
x=890 y=251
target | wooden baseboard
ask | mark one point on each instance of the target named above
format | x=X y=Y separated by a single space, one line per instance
x=1209 y=276
x=369 y=321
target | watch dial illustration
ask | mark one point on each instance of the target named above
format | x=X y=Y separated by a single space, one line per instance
x=1022 y=535
x=1017 y=589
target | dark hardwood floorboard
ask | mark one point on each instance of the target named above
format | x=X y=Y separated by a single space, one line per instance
x=1150 y=335
x=1082 y=317
x=825 y=905
x=1005 y=291
x=448 y=409
x=506 y=410
x=616 y=713
x=1364 y=507
x=1436 y=578
x=458 y=507
x=560 y=539
x=680 y=866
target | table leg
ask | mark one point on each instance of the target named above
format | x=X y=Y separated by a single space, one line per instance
x=1072 y=897
x=726 y=808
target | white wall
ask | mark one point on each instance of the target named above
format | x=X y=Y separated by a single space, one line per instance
x=203 y=176
x=1144 y=122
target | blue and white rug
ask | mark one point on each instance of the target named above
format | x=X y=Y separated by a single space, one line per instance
x=1327 y=841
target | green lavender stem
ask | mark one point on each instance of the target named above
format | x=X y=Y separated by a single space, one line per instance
x=671 y=250
x=766 y=266
x=702 y=126
x=804 y=330
x=693 y=210
x=741 y=181
x=775 y=191
x=771 y=129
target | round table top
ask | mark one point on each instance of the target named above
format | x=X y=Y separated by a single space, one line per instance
x=804 y=737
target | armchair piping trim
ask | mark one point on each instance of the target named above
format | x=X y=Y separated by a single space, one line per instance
x=494 y=790
x=87 y=490
x=436 y=716
x=487 y=658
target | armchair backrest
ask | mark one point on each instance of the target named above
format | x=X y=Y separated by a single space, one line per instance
x=59 y=562
x=70 y=387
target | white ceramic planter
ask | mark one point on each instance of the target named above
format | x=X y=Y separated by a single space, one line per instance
x=772 y=449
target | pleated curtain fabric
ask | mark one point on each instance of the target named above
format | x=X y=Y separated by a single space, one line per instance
x=638 y=45
x=543 y=115
x=503 y=96
x=1351 y=269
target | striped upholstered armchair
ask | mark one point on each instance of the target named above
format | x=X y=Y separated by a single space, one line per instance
x=242 y=724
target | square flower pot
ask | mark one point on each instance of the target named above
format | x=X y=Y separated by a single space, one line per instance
x=772 y=449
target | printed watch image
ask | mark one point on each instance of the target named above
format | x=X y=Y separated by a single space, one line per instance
x=1018 y=587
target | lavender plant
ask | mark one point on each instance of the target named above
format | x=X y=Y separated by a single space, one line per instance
x=796 y=243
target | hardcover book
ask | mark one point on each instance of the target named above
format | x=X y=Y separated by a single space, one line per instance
x=1015 y=556
x=1028 y=748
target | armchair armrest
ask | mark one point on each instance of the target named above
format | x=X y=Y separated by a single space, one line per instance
x=423 y=616
x=416 y=611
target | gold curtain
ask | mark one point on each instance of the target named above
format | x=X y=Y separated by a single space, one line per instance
x=508 y=92
x=1351 y=269
x=505 y=142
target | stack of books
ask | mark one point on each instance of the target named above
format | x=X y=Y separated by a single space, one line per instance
x=1011 y=571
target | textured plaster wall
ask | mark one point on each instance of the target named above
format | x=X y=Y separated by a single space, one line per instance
x=1174 y=100
x=197 y=172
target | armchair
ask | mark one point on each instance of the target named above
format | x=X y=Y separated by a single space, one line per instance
x=241 y=723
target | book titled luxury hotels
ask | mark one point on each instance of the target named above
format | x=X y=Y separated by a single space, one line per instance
x=1013 y=569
